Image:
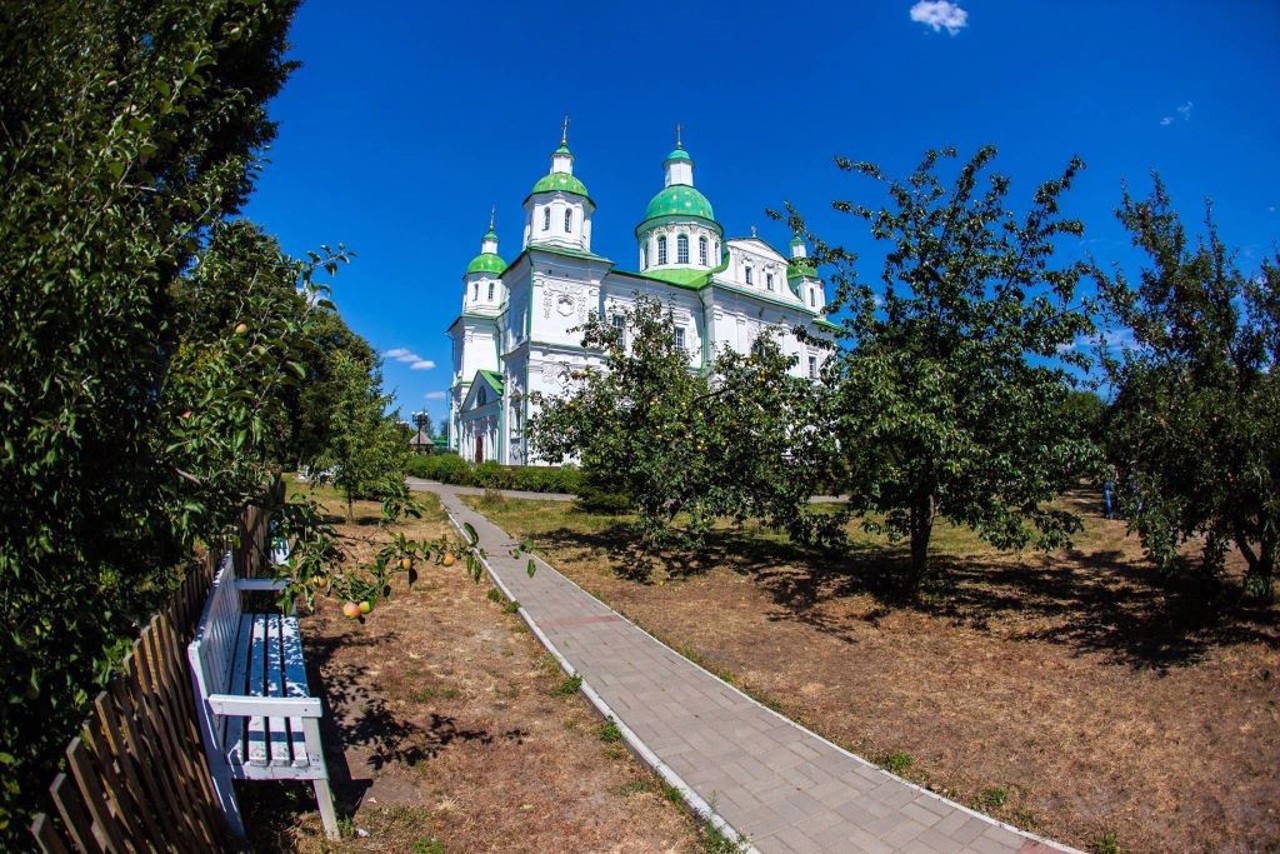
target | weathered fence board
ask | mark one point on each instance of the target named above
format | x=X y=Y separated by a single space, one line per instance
x=137 y=776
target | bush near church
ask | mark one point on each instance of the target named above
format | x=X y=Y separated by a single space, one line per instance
x=452 y=469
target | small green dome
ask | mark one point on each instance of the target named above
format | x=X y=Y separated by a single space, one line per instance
x=679 y=200
x=487 y=262
x=801 y=268
x=679 y=154
x=561 y=181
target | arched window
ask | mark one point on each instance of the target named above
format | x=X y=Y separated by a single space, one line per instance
x=568 y=219
x=491 y=292
x=702 y=251
x=813 y=297
x=768 y=281
x=748 y=275
x=644 y=255
x=682 y=249
x=546 y=219
x=662 y=250
x=475 y=290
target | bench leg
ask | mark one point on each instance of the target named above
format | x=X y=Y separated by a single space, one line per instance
x=324 y=797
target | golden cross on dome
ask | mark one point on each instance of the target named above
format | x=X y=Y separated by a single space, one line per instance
x=564 y=131
x=678 y=143
x=493 y=211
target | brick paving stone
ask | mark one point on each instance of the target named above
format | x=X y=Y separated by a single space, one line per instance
x=778 y=784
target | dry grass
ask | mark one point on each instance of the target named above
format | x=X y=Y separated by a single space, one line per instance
x=445 y=733
x=1072 y=694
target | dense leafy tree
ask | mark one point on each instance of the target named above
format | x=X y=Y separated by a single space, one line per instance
x=127 y=130
x=680 y=442
x=948 y=396
x=1195 y=426
x=366 y=451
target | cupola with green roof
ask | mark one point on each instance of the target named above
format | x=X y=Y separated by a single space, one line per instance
x=483 y=279
x=558 y=209
x=679 y=229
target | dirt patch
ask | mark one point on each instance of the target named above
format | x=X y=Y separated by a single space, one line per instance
x=1071 y=694
x=446 y=734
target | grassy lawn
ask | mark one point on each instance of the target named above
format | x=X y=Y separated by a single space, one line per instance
x=1071 y=694
x=447 y=731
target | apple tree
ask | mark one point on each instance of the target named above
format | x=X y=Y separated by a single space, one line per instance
x=1194 y=430
x=948 y=394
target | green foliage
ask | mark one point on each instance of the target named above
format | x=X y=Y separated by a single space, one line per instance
x=950 y=396
x=129 y=132
x=1108 y=843
x=897 y=762
x=452 y=469
x=569 y=686
x=428 y=845
x=609 y=732
x=366 y=454
x=677 y=442
x=993 y=798
x=1195 y=427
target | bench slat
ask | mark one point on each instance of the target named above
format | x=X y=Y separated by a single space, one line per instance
x=277 y=732
x=256 y=740
x=295 y=683
x=233 y=740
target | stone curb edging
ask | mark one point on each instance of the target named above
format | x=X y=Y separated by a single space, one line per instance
x=700 y=807
x=692 y=797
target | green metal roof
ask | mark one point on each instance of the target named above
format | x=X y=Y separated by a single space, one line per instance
x=682 y=277
x=563 y=149
x=487 y=262
x=679 y=200
x=679 y=154
x=493 y=379
x=827 y=324
x=562 y=181
x=801 y=268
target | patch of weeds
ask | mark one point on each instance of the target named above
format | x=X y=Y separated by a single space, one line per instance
x=712 y=840
x=427 y=845
x=609 y=732
x=435 y=692
x=672 y=794
x=495 y=595
x=570 y=686
x=571 y=723
x=1024 y=818
x=346 y=826
x=1108 y=844
x=615 y=751
x=634 y=787
x=896 y=762
x=990 y=799
x=693 y=655
x=547 y=664
x=511 y=607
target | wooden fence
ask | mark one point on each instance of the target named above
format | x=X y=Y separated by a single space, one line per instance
x=136 y=778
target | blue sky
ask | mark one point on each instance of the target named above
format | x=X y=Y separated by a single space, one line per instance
x=407 y=121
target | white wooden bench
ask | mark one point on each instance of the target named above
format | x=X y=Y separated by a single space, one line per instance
x=257 y=716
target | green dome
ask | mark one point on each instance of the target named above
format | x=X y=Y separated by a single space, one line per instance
x=679 y=200
x=487 y=262
x=561 y=181
x=801 y=268
x=679 y=154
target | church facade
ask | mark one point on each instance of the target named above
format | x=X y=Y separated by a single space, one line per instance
x=514 y=338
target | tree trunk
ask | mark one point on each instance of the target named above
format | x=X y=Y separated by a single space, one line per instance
x=351 y=516
x=923 y=508
x=1259 y=578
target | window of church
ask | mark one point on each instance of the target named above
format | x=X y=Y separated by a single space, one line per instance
x=702 y=251
x=475 y=290
x=682 y=249
x=679 y=337
x=813 y=297
x=813 y=367
x=748 y=275
x=619 y=326
x=644 y=255
x=491 y=291
x=481 y=397
x=768 y=280
x=662 y=250
x=568 y=220
x=546 y=219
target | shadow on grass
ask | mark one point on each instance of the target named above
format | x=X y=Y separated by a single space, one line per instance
x=1092 y=601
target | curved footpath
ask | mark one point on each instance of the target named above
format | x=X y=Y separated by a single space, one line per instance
x=749 y=770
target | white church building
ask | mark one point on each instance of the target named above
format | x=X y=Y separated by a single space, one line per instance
x=514 y=337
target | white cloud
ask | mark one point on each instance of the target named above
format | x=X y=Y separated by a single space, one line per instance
x=940 y=14
x=434 y=395
x=1185 y=110
x=410 y=358
x=1165 y=121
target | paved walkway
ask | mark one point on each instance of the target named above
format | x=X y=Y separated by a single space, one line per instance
x=749 y=770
